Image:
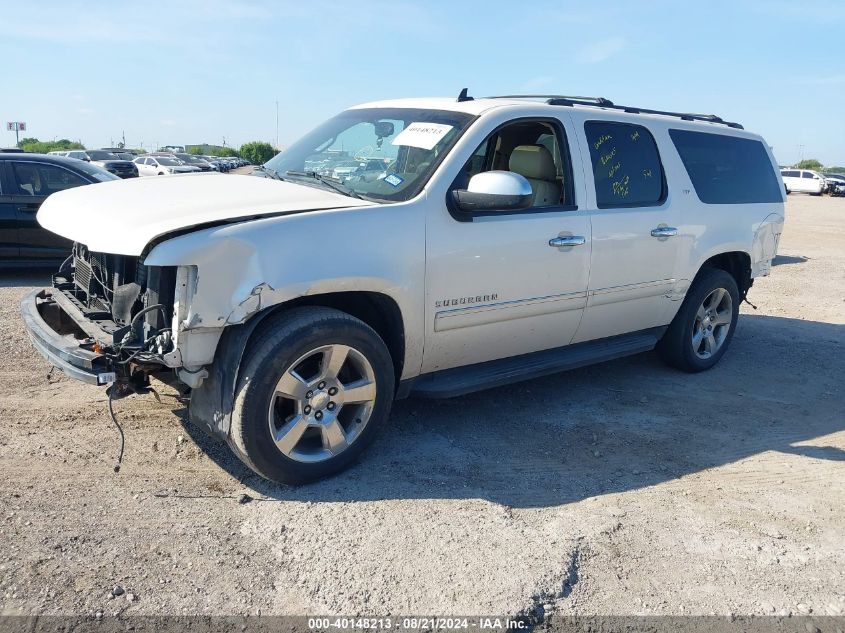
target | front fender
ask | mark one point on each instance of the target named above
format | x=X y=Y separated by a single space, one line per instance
x=243 y=269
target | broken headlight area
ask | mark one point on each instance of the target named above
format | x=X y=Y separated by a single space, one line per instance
x=115 y=306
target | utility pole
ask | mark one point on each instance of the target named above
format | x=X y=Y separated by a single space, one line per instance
x=277 y=124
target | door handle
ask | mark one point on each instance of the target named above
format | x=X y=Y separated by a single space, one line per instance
x=664 y=231
x=567 y=240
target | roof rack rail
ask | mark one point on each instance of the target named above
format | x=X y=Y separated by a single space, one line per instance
x=601 y=102
x=549 y=98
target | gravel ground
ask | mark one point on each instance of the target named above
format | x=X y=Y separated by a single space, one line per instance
x=623 y=488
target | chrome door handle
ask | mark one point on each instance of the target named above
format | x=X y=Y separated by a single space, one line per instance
x=567 y=240
x=664 y=231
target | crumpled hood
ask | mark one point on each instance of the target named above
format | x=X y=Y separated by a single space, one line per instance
x=122 y=217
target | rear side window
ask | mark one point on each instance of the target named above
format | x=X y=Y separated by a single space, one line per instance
x=790 y=174
x=727 y=169
x=41 y=179
x=626 y=165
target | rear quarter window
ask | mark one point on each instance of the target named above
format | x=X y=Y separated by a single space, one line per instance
x=626 y=165
x=727 y=169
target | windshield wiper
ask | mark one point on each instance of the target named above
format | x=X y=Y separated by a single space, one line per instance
x=270 y=172
x=331 y=182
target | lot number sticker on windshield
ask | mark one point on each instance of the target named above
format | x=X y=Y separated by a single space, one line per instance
x=422 y=135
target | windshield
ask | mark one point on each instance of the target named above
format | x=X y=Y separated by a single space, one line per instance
x=380 y=153
x=95 y=155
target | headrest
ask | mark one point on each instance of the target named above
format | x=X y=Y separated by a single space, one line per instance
x=533 y=161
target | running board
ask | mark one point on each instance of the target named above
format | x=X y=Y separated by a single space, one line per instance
x=495 y=373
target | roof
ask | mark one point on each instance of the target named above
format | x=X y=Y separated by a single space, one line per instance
x=477 y=106
x=42 y=158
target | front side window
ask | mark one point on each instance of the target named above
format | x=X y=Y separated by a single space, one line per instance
x=727 y=169
x=409 y=142
x=531 y=149
x=807 y=174
x=626 y=165
x=39 y=179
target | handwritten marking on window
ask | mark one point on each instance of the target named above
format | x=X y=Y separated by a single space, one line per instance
x=601 y=140
x=646 y=173
x=614 y=169
x=635 y=136
x=608 y=157
x=620 y=187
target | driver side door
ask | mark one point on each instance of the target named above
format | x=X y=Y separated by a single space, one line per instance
x=495 y=286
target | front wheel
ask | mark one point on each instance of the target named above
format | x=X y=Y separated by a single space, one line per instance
x=315 y=387
x=700 y=333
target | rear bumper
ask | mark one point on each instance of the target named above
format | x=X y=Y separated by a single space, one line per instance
x=56 y=336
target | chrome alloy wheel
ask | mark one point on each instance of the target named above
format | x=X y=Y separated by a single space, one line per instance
x=322 y=403
x=712 y=323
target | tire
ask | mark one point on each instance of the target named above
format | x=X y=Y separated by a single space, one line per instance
x=293 y=419
x=678 y=348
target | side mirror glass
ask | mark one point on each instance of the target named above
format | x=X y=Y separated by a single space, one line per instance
x=494 y=191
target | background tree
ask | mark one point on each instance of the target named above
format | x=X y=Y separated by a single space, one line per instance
x=810 y=163
x=44 y=147
x=835 y=170
x=257 y=152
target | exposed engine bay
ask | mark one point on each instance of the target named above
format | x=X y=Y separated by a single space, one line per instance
x=126 y=311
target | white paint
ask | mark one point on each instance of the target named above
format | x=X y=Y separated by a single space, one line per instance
x=123 y=216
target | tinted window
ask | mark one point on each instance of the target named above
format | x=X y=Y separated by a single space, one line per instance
x=790 y=174
x=727 y=169
x=39 y=179
x=626 y=165
x=806 y=174
x=98 y=155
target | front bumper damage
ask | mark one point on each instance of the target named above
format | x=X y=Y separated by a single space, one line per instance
x=60 y=333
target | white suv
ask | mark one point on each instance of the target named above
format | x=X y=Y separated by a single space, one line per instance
x=508 y=238
x=803 y=181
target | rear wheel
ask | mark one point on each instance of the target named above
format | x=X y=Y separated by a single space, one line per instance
x=315 y=387
x=703 y=328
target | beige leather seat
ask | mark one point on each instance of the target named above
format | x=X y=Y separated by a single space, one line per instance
x=537 y=165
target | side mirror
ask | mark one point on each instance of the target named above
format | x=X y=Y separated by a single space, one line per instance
x=494 y=191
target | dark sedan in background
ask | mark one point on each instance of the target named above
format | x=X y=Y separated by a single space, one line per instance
x=107 y=160
x=25 y=182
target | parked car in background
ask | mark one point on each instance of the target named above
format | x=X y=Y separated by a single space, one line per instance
x=196 y=161
x=25 y=182
x=108 y=161
x=835 y=184
x=217 y=162
x=161 y=165
x=803 y=181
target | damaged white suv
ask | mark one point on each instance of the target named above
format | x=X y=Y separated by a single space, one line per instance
x=482 y=241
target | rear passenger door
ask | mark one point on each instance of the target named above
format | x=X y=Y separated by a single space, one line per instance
x=8 y=221
x=634 y=229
